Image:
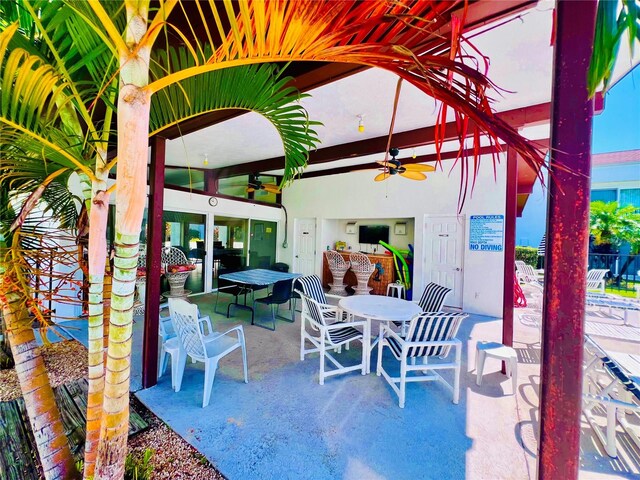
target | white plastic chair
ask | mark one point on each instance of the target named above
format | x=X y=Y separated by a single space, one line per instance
x=362 y=267
x=207 y=349
x=430 y=334
x=596 y=280
x=338 y=267
x=330 y=336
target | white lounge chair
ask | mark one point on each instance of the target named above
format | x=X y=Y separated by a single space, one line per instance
x=608 y=385
x=208 y=349
x=527 y=274
x=330 y=336
x=596 y=280
x=430 y=335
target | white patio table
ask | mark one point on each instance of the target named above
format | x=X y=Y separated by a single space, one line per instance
x=378 y=307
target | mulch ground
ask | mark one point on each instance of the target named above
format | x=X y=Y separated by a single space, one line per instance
x=173 y=457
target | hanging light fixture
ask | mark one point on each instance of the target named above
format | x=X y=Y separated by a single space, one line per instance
x=360 y=123
x=205 y=162
x=413 y=154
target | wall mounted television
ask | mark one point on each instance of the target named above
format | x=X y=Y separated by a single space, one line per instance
x=372 y=234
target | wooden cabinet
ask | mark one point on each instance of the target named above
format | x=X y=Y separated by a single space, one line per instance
x=377 y=282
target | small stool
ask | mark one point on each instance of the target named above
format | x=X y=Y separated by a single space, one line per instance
x=501 y=352
x=396 y=290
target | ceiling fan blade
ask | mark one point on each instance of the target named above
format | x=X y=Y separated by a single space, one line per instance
x=382 y=176
x=414 y=175
x=271 y=188
x=251 y=189
x=386 y=164
x=418 y=167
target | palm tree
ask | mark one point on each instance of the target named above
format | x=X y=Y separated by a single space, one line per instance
x=402 y=39
x=254 y=88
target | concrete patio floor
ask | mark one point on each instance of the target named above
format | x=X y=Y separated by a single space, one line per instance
x=284 y=425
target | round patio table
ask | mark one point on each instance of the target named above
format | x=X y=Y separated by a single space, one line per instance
x=381 y=308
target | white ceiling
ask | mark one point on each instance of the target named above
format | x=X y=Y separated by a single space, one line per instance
x=520 y=64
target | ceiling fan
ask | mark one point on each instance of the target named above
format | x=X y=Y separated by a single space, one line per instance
x=394 y=167
x=255 y=184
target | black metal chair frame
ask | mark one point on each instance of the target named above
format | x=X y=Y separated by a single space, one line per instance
x=280 y=294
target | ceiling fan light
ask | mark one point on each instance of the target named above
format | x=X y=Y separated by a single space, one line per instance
x=205 y=162
x=360 y=123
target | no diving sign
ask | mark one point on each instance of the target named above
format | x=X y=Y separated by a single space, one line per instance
x=486 y=233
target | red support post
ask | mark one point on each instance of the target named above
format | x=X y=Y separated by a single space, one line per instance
x=510 y=214
x=567 y=244
x=155 y=233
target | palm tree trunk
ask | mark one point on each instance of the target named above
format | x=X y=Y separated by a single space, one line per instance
x=44 y=416
x=134 y=103
x=97 y=262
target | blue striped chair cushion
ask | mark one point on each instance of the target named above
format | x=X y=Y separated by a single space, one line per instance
x=433 y=297
x=433 y=327
x=312 y=287
x=628 y=384
x=343 y=334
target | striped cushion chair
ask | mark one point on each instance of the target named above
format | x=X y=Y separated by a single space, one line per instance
x=432 y=300
x=430 y=334
x=324 y=336
x=433 y=297
x=311 y=286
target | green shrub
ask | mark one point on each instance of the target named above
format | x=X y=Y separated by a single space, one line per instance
x=134 y=468
x=528 y=255
x=138 y=469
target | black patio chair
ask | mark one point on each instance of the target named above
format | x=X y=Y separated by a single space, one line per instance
x=281 y=293
x=230 y=288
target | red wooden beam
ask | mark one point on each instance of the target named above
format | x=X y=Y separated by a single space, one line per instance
x=371 y=166
x=155 y=233
x=567 y=244
x=518 y=117
x=510 y=209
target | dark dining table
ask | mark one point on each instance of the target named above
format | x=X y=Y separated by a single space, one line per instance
x=255 y=279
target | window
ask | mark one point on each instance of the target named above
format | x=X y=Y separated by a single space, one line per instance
x=184 y=177
x=630 y=196
x=606 y=196
x=237 y=187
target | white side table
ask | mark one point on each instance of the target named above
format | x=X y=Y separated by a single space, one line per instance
x=501 y=352
x=396 y=290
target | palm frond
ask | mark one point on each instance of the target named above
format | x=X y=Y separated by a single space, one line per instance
x=256 y=88
x=613 y=20
x=402 y=37
x=30 y=99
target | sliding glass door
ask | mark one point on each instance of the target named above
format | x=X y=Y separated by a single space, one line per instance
x=262 y=244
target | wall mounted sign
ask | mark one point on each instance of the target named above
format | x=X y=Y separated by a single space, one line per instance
x=486 y=233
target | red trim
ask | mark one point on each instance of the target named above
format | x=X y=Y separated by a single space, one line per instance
x=155 y=235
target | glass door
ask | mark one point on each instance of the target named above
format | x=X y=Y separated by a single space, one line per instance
x=229 y=245
x=186 y=232
x=262 y=247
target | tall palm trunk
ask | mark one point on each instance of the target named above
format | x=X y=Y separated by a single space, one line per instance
x=97 y=262
x=134 y=103
x=44 y=416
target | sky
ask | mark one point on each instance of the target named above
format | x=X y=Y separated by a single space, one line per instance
x=618 y=127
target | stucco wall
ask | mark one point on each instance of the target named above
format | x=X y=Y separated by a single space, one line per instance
x=356 y=196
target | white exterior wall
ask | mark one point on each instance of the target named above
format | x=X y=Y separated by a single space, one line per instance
x=335 y=199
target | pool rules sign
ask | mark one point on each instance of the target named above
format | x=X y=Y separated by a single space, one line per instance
x=486 y=233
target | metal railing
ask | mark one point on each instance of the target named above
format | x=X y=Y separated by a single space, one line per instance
x=623 y=269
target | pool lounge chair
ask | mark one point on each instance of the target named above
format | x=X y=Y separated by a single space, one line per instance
x=608 y=385
x=596 y=280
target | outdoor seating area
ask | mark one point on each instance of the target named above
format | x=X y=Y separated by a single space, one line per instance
x=337 y=240
x=307 y=432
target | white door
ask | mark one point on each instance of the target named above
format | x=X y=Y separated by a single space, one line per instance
x=304 y=246
x=444 y=253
